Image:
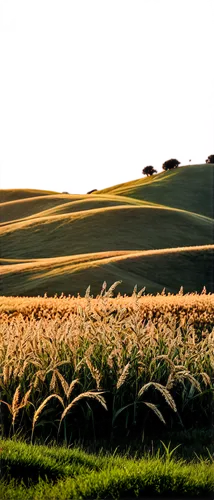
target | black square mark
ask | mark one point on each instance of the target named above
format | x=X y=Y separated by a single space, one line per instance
x=11 y=11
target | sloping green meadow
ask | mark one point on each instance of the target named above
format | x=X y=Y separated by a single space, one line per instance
x=72 y=275
x=188 y=188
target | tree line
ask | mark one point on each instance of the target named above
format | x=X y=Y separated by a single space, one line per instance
x=169 y=165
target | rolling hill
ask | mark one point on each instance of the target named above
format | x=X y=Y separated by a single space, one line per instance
x=156 y=232
x=189 y=188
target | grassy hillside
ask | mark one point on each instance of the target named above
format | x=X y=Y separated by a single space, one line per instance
x=154 y=269
x=153 y=232
x=25 y=207
x=106 y=229
x=18 y=194
x=48 y=205
x=189 y=188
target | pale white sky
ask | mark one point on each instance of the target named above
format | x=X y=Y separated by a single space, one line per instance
x=92 y=91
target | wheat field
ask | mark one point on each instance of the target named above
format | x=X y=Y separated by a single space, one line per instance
x=70 y=365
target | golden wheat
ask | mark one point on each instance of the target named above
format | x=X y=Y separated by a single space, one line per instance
x=67 y=346
x=123 y=376
x=42 y=406
x=88 y=394
x=165 y=393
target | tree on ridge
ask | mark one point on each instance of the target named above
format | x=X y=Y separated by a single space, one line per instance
x=170 y=164
x=149 y=170
x=210 y=159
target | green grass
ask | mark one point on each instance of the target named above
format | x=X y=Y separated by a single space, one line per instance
x=189 y=188
x=39 y=472
x=154 y=270
x=47 y=205
x=106 y=229
x=171 y=210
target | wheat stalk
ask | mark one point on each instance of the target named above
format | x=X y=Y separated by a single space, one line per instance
x=94 y=372
x=123 y=376
x=104 y=286
x=42 y=406
x=53 y=382
x=87 y=292
x=156 y=411
x=71 y=387
x=206 y=379
x=15 y=402
x=25 y=398
x=162 y=389
x=7 y=372
x=109 y=292
x=186 y=375
x=15 y=406
x=88 y=394
x=66 y=387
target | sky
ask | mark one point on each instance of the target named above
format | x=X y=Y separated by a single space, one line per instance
x=92 y=91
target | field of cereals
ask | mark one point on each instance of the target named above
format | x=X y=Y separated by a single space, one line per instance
x=80 y=368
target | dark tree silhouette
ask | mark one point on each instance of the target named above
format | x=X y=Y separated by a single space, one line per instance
x=92 y=191
x=170 y=164
x=210 y=159
x=149 y=170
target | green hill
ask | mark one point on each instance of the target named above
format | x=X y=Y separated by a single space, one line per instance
x=46 y=205
x=153 y=269
x=105 y=229
x=189 y=188
x=155 y=232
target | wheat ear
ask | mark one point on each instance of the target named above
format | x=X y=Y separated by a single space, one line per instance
x=88 y=394
x=66 y=387
x=162 y=389
x=156 y=411
x=123 y=376
x=15 y=402
x=41 y=407
x=15 y=406
x=109 y=292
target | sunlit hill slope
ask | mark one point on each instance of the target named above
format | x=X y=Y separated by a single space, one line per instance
x=155 y=232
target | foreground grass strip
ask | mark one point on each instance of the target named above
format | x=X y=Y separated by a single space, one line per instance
x=79 y=475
